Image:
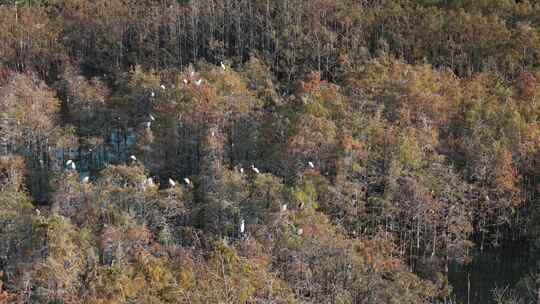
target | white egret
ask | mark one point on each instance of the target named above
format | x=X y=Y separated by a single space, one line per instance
x=187 y=181
x=185 y=81
x=69 y=162
x=223 y=66
x=133 y=158
x=148 y=125
x=283 y=207
x=300 y=231
x=242 y=226
x=152 y=118
x=162 y=87
x=38 y=213
x=255 y=169
x=198 y=82
x=73 y=167
x=150 y=182
x=172 y=183
x=311 y=165
x=152 y=94
x=242 y=170
x=86 y=179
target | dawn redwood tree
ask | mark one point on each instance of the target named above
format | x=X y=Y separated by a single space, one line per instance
x=16 y=218
x=29 y=128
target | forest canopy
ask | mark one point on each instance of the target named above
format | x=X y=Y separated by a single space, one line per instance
x=257 y=151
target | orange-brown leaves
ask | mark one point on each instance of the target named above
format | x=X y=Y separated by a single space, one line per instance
x=28 y=38
x=507 y=178
x=5 y=297
x=29 y=107
x=527 y=86
x=312 y=84
x=12 y=170
x=424 y=97
x=201 y=108
x=84 y=102
x=353 y=147
x=5 y=75
x=377 y=254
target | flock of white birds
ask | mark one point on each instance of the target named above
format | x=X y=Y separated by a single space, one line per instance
x=70 y=164
x=150 y=181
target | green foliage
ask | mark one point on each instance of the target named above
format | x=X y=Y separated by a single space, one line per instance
x=409 y=152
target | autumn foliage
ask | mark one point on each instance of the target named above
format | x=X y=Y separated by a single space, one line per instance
x=243 y=151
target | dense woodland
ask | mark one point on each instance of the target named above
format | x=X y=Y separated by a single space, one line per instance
x=264 y=151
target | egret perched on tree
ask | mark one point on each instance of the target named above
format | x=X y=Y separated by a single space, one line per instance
x=150 y=182
x=300 y=231
x=242 y=170
x=242 y=226
x=152 y=94
x=187 y=181
x=254 y=169
x=152 y=118
x=283 y=207
x=86 y=179
x=162 y=87
x=311 y=165
x=133 y=158
x=148 y=124
x=198 y=82
x=185 y=81
x=223 y=66
x=172 y=183
x=38 y=213
x=71 y=164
